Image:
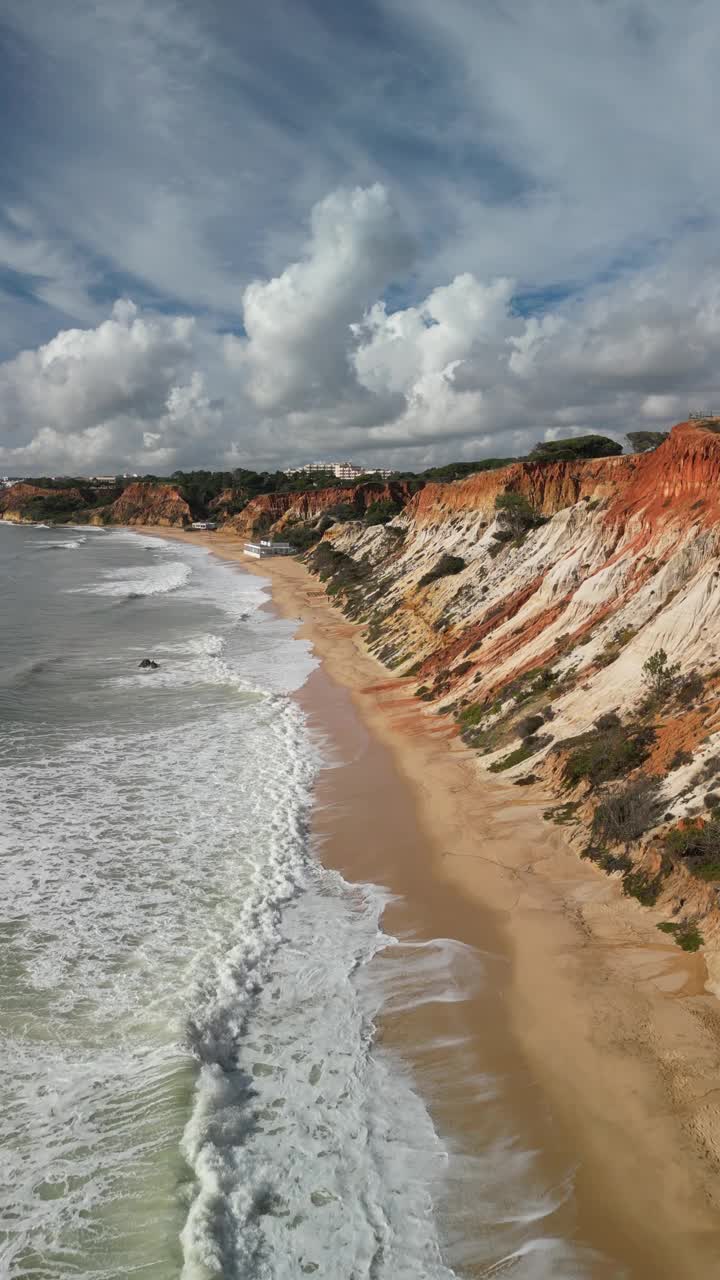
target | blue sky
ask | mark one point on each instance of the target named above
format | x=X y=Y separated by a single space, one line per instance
x=396 y=231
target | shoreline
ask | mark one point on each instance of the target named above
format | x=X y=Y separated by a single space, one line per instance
x=612 y=1023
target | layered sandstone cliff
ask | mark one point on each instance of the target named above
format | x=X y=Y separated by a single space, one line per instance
x=275 y=511
x=16 y=503
x=559 y=623
x=143 y=503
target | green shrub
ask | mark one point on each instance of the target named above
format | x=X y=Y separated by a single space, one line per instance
x=301 y=536
x=615 y=862
x=381 y=511
x=605 y=754
x=461 y=669
x=607 y=656
x=575 y=447
x=515 y=757
x=445 y=566
x=641 y=441
x=342 y=511
x=627 y=814
x=706 y=869
x=638 y=884
x=529 y=748
x=680 y=758
x=660 y=677
x=338 y=568
x=413 y=670
x=698 y=844
x=690 y=688
x=685 y=841
x=516 y=515
x=687 y=936
x=472 y=715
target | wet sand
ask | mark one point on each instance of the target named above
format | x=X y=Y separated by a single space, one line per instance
x=597 y=1030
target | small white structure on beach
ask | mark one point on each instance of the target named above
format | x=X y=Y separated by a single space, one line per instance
x=203 y=524
x=267 y=548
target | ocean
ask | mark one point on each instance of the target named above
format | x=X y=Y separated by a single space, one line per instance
x=191 y=1080
x=188 y=1082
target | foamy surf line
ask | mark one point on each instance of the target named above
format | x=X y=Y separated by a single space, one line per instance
x=291 y=1176
x=280 y=1068
x=129 y=584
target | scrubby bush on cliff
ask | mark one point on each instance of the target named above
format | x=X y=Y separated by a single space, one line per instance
x=300 y=536
x=530 y=747
x=644 y=887
x=643 y=441
x=613 y=646
x=459 y=470
x=54 y=507
x=516 y=516
x=576 y=447
x=342 y=511
x=698 y=844
x=381 y=511
x=445 y=566
x=472 y=715
x=627 y=814
x=605 y=754
x=659 y=676
x=690 y=688
x=687 y=936
x=336 y=567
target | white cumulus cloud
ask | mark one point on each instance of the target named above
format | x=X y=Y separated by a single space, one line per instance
x=295 y=355
x=327 y=365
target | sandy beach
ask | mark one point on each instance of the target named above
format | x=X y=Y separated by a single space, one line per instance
x=602 y=1031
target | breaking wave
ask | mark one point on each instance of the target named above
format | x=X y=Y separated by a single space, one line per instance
x=65 y=544
x=129 y=584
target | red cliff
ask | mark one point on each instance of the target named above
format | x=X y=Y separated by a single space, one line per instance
x=142 y=503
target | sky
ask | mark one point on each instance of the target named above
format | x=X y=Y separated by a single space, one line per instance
x=395 y=231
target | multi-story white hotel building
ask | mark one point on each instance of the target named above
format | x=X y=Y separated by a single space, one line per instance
x=341 y=470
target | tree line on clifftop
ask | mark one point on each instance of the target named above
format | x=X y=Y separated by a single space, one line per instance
x=203 y=488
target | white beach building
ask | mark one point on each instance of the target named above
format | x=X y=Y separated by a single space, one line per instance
x=267 y=548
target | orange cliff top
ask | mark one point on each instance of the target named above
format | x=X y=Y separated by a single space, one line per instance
x=682 y=470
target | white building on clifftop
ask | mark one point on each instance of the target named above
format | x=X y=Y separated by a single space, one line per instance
x=341 y=470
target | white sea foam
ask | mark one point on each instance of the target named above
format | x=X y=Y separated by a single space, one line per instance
x=141 y=540
x=64 y=544
x=153 y=580
x=339 y=1159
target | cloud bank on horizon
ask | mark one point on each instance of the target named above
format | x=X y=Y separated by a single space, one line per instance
x=400 y=232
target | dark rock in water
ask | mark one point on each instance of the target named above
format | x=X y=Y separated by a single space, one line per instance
x=149 y=665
